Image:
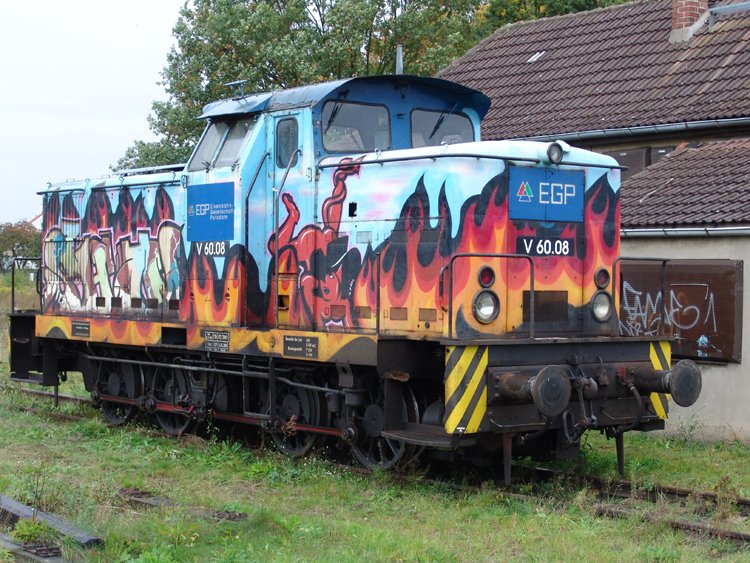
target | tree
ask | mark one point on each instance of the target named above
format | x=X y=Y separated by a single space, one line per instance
x=18 y=239
x=497 y=13
x=284 y=43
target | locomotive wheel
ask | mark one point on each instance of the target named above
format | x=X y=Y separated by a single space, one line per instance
x=120 y=380
x=222 y=398
x=169 y=387
x=296 y=406
x=373 y=450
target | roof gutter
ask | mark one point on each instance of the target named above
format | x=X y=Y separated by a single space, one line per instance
x=643 y=130
x=650 y=232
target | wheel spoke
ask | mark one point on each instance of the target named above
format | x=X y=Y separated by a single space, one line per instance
x=390 y=444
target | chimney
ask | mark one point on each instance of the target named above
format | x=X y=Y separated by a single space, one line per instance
x=687 y=17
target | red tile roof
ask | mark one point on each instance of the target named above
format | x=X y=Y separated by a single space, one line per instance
x=606 y=69
x=706 y=185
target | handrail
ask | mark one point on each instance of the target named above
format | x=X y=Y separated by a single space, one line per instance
x=615 y=264
x=13 y=279
x=61 y=191
x=434 y=157
x=159 y=183
x=98 y=187
x=449 y=267
x=377 y=298
x=292 y=159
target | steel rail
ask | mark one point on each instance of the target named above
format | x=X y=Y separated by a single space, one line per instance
x=683 y=525
x=621 y=488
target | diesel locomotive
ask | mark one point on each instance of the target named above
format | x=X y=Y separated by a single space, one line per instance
x=349 y=260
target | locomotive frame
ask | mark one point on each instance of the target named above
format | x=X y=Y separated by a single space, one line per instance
x=327 y=265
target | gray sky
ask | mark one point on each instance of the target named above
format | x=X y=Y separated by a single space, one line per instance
x=77 y=79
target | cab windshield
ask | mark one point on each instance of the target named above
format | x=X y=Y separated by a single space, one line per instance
x=221 y=144
x=354 y=127
x=430 y=128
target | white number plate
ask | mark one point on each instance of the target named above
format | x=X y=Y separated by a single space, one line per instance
x=212 y=248
x=545 y=246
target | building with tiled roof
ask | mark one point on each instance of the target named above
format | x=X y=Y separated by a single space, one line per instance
x=664 y=87
x=612 y=71
x=687 y=189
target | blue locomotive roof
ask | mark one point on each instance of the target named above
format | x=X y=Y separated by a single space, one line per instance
x=312 y=95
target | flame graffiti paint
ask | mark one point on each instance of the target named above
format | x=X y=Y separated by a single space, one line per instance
x=93 y=254
x=404 y=271
x=321 y=261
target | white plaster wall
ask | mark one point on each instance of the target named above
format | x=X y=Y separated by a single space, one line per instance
x=723 y=409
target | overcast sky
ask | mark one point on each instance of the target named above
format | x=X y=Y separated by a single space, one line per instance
x=77 y=79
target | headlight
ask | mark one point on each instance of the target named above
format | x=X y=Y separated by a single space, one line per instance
x=601 y=306
x=486 y=306
x=556 y=151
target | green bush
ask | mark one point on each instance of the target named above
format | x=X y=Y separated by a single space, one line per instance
x=31 y=531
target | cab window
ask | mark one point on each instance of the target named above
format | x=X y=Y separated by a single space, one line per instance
x=430 y=128
x=286 y=142
x=354 y=127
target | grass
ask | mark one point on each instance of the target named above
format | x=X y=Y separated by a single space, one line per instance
x=668 y=460
x=311 y=509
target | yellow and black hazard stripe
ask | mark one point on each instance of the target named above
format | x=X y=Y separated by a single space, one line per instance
x=660 y=354
x=465 y=388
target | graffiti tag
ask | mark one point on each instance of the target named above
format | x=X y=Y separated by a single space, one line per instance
x=689 y=311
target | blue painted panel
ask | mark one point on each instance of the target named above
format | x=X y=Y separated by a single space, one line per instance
x=539 y=194
x=210 y=215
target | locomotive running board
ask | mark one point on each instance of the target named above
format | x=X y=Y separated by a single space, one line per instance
x=429 y=435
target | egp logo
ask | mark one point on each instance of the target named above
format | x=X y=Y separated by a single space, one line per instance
x=555 y=193
x=543 y=194
x=202 y=208
x=524 y=193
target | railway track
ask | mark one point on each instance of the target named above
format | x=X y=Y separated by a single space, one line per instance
x=615 y=497
x=57 y=397
x=687 y=510
x=624 y=489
